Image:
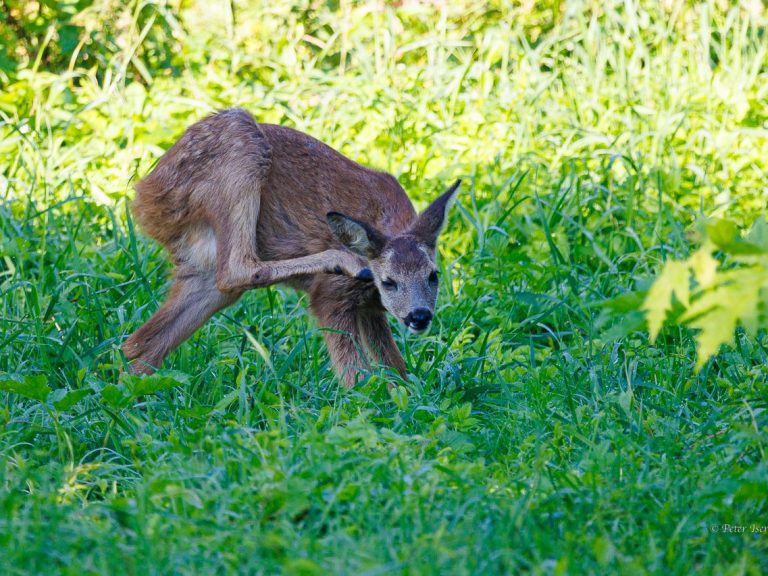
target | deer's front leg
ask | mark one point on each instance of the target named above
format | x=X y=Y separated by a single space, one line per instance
x=344 y=346
x=335 y=302
x=344 y=349
x=376 y=336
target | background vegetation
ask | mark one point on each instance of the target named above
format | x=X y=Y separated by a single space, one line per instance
x=541 y=429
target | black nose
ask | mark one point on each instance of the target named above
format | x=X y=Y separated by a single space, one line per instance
x=419 y=319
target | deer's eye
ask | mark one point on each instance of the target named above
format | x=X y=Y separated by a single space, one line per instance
x=389 y=284
x=433 y=277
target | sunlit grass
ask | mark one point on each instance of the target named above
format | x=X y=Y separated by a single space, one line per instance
x=534 y=433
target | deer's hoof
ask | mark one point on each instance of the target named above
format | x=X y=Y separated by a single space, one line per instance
x=365 y=274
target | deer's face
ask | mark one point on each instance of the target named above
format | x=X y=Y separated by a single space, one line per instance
x=406 y=276
x=403 y=267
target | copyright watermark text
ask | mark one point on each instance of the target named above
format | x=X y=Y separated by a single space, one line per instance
x=739 y=528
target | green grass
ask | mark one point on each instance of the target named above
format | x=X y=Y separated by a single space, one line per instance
x=537 y=432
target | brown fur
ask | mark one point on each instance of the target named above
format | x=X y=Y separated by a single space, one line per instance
x=241 y=205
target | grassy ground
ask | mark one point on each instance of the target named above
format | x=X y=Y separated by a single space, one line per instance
x=537 y=432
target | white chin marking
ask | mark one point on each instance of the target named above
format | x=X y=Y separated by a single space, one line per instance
x=413 y=330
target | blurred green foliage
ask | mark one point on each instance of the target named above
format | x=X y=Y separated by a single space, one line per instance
x=540 y=431
x=65 y=35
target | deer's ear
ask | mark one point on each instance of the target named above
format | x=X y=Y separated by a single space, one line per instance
x=430 y=222
x=359 y=237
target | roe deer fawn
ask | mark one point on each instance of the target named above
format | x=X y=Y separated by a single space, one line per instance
x=241 y=205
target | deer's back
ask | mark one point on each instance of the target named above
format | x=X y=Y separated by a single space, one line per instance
x=308 y=179
x=299 y=180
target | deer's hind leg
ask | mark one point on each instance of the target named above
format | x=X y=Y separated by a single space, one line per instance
x=233 y=215
x=192 y=300
x=238 y=266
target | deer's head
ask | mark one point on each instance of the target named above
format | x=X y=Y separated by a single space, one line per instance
x=403 y=266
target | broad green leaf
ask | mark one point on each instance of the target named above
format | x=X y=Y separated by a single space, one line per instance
x=673 y=280
x=34 y=386
x=726 y=236
x=630 y=322
x=64 y=399
x=140 y=385
x=114 y=396
x=717 y=312
x=716 y=328
x=399 y=395
x=225 y=402
x=624 y=303
x=703 y=266
x=758 y=234
x=722 y=233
